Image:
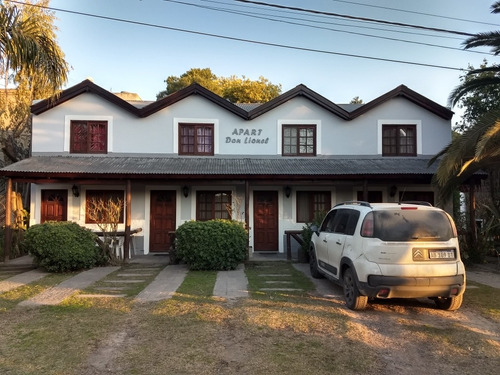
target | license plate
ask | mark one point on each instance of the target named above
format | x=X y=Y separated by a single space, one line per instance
x=442 y=254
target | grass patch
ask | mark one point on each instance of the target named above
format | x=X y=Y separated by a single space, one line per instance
x=265 y=279
x=145 y=274
x=455 y=342
x=10 y=299
x=198 y=283
x=484 y=298
x=53 y=340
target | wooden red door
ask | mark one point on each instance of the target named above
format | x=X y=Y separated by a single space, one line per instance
x=54 y=205
x=161 y=220
x=265 y=218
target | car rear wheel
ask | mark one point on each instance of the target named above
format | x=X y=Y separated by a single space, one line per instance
x=313 y=265
x=353 y=299
x=450 y=304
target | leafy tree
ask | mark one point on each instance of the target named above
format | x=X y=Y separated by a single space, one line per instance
x=356 y=100
x=32 y=66
x=477 y=148
x=234 y=89
x=478 y=100
x=485 y=76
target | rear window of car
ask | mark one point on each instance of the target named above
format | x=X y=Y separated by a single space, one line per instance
x=411 y=225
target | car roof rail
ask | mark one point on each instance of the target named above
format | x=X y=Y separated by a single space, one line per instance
x=420 y=203
x=359 y=203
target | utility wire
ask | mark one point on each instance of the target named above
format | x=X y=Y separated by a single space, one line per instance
x=269 y=18
x=356 y=18
x=400 y=31
x=415 y=12
x=240 y=39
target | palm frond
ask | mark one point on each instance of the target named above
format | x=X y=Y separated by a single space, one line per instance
x=469 y=86
x=486 y=39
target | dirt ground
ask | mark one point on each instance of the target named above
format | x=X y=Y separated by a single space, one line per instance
x=408 y=336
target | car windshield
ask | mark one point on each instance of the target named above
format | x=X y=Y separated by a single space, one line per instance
x=412 y=225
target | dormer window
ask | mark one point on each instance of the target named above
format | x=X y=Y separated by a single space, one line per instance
x=89 y=137
x=299 y=140
x=399 y=140
x=196 y=139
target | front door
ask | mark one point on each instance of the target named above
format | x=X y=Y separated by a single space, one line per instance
x=54 y=205
x=162 y=219
x=265 y=208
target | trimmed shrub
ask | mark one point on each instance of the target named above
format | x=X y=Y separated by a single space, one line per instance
x=62 y=246
x=211 y=245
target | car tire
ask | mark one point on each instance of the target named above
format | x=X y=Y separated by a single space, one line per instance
x=313 y=265
x=353 y=299
x=449 y=304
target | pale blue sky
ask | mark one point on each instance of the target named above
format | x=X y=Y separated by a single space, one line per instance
x=121 y=56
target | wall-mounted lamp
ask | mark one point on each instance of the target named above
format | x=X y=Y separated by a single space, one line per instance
x=288 y=191
x=76 y=191
x=185 y=191
x=392 y=191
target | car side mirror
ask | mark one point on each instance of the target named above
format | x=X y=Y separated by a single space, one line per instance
x=314 y=228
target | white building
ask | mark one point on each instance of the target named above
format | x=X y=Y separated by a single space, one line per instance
x=196 y=156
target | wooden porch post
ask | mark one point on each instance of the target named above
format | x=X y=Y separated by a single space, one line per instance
x=7 y=239
x=472 y=211
x=128 y=214
x=247 y=214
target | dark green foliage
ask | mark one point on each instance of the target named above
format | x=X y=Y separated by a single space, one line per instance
x=211 y=245
x=62 y=246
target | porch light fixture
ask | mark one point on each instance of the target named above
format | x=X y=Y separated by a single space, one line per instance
x=185 y=191
x=288 y=191
x=76 y=191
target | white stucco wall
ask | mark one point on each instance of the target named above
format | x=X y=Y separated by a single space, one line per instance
x=158 y=133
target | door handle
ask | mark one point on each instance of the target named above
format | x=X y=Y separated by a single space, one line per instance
x=325 y=241
x=338 y=242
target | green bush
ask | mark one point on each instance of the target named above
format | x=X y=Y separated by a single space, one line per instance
x=211 y=245
x=62 y=246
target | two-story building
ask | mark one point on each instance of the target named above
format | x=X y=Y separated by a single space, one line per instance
x=196 y=156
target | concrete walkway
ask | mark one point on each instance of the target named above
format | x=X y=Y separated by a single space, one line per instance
x=20 y=280
x=164 y=285
x=58 y=293
x=231 y=284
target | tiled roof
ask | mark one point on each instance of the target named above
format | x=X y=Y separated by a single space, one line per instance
x=39 y=166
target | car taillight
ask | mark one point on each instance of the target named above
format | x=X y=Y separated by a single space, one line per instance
x=409 y=208
x=367 y=227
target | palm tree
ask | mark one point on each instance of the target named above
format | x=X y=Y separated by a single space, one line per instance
x=485 y=76
x=478 y=147
x=28 y=45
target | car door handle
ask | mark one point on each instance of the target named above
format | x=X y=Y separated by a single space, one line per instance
x=338 y=242
x=325 y=241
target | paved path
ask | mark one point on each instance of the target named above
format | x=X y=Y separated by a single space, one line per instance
x=58 y=293
x=231 y=284
x=164 y=285
x=21 y=280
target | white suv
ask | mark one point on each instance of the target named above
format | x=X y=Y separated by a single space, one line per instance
x=389 y=250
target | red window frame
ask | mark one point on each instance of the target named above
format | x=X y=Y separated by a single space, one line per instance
x=310 y=204
x=196 y=139
x=399 y=140
x=298 y=140
x=213 y=205
x=88 y=137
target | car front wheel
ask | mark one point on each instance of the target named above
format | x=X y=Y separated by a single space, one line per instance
x=353 y=299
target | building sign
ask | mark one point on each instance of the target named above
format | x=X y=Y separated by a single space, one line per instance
x=247 y=136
